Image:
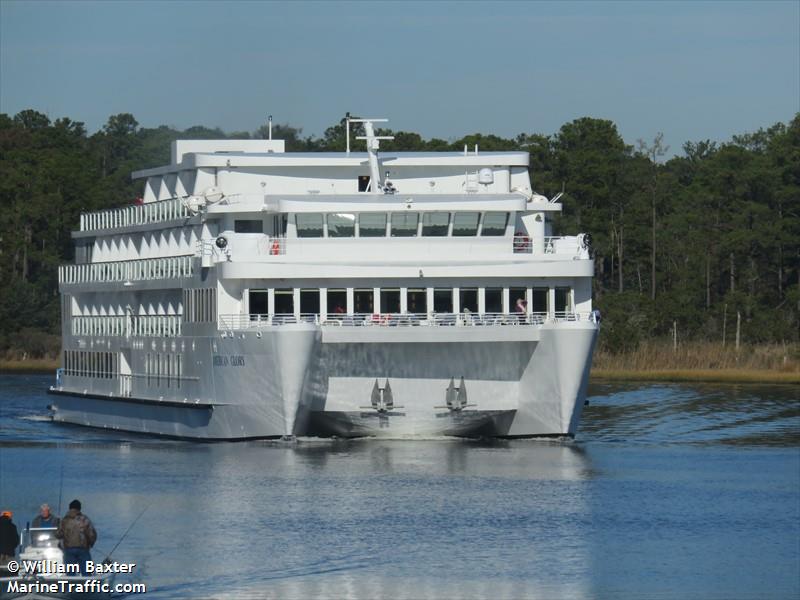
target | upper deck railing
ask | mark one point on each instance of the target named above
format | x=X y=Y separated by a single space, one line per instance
x=258 y=321
x=127 y=325
x=135 y=214
x=125 y=272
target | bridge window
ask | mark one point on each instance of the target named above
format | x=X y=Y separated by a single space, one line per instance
x=435 y=224
x=390 y=301
x=417 y=301
x=284 y=301
x=468 y=299
x=248 y=226
x=363 y=301
x=341 y=225
x=465 y=224
x=494 y=223
x=404 y=224
x=493 y=300
x=372 y=224
x=309 y=225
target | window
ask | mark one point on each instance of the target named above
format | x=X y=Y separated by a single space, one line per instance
x=363 y=183
x=309 y=225
x=435 y=224
x=284 y=301
x=417 y=301
x=404 y=224
x=493 y=300
x=341 y=225
x=465 y=224
x=563 y=303
x=468 y=299
x=539 y=300
x=259 y=302
x=337 y=302
x=494 y=223
x=363 y=301
x=518 y=299
x=443 y=300
x=372 y=224
x=248 y=226
x=390 y=301
x=309 y=302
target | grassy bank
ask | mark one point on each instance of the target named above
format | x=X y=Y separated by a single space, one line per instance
x=30 y=365
x=701 y=361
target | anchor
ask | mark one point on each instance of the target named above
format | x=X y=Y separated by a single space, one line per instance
x=381 y=398
x=456 y=397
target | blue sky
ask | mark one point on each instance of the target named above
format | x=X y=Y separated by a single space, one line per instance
x=694 y=70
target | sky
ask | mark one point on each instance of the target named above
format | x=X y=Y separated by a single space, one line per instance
x=692 y=70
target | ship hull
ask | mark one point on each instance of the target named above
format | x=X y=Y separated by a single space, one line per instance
x=312 y=380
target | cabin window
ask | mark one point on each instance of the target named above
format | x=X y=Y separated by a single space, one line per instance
x=494 y=223
x=493 y=300
x=404 y=224
x=363 y=183
x=417 y=301
x=248 y=226
x=341 y=225
x=337 y=302
x=284 y=301
x=443 y=300
x=468 y=299
x=372 y=225
x=309 y=225
x=465 y=224
x=518 y=299
x=309 y=302
x=563 y=300
x=539 y=300
x=363 y=301
x=258 y=302
x=390 y=301
x=435 y=224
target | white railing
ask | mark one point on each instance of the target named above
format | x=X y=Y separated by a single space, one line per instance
x=569 y=244
x=136 y=214
x=256 y=321
x=123 y=325
x=147 y=269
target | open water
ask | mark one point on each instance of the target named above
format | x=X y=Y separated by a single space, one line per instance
x=669 y=491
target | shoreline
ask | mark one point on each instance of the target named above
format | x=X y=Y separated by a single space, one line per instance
x=47 y=366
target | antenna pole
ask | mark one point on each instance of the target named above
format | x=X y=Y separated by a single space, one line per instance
x=347 y=127
x=269 y=120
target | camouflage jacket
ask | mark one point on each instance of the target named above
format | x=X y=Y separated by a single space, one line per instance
x=76 y=530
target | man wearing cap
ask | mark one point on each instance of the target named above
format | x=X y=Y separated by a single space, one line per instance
x=78 y=534
x=9 y=538
x=45 y=518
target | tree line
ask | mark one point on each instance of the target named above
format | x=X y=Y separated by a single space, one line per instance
x=690 y=241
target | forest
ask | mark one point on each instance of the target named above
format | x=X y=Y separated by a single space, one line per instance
x=685 y=243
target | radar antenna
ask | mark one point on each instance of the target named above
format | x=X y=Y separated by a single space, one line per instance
x=373 y=143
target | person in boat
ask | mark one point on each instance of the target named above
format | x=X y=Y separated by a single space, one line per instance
x=522 y=306
x=45 y=518
x=9 y=538
x=78 y=536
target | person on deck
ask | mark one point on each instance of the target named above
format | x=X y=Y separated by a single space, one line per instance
x=78 y=534
x=45 y=518
x=9 y=538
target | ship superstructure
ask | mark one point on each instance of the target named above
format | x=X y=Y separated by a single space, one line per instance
x=255 y=293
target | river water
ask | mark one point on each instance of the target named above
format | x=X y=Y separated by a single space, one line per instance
x=669 y=491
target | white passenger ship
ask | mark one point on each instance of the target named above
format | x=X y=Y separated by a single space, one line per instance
x=254 y=293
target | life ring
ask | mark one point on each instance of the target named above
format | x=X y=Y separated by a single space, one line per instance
x=275 y=249
x=521 y=242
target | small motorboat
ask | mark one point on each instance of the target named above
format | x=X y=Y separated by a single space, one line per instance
x=40 y=572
